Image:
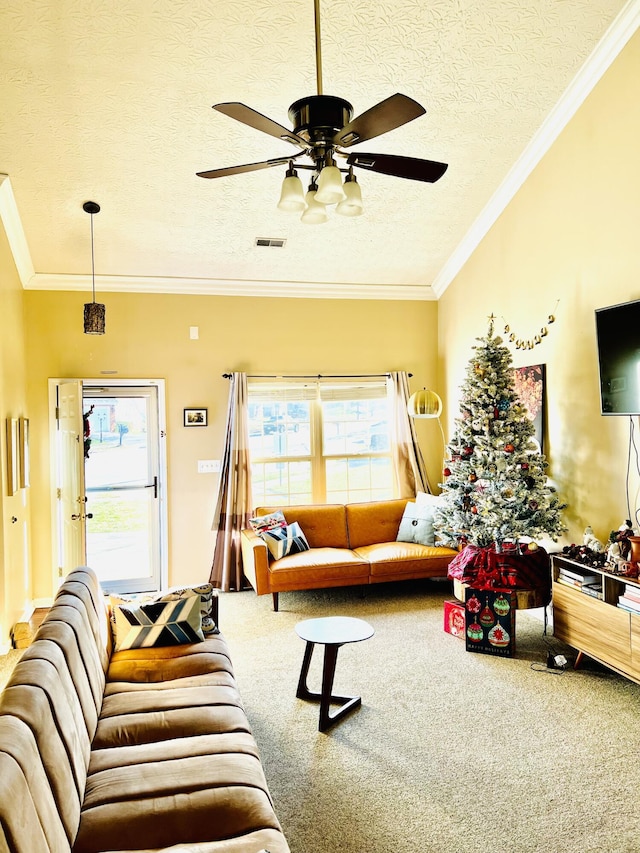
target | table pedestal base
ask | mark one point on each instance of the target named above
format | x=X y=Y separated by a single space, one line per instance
x=325 y=697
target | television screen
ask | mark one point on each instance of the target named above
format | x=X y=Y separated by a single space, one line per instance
x=618 y=336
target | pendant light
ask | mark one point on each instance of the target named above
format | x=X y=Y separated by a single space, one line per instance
x=94 y=312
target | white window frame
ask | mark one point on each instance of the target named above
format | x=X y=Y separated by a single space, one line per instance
x=315 y=391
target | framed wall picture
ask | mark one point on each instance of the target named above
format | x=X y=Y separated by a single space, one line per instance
x=195 y=417
x=13 y=458
x=529 y=386
x=23 y=439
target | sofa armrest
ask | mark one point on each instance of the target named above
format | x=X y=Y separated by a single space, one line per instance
x=255 y=561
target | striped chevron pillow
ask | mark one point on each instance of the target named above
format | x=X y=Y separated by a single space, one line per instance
x=158 y=623
x=285 y=540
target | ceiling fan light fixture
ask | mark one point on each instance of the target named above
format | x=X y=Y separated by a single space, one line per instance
x=352 y=204
x=292 y=193
x=315 y=213
x=330 y=184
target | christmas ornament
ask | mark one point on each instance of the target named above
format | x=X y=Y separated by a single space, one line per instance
x=532 y=546
x=475 y=632
x=501 y=606
x=509 y=448
x=447 y=472
x=486 y=616
x=498 y=636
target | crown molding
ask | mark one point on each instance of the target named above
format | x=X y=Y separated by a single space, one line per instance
x=16 y=237
x=231 y=287
x=603 y=55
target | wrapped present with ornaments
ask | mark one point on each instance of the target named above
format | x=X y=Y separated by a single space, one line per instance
x=490 y=624
x=513 y=566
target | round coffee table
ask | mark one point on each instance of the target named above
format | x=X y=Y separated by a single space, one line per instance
x=331 y=632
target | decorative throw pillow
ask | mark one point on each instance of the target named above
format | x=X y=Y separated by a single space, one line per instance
x=260 y=523
x=157 y=623
x=285 y=540
x=206 y=593
x=416 y=525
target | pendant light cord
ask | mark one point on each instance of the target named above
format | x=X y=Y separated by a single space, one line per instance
x=93 y=266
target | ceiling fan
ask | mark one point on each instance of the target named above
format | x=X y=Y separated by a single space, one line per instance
x=323 y=125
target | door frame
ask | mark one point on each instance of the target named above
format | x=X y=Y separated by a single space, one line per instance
x=114 y=382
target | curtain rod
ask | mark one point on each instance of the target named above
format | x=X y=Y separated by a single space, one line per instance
x=317 y=376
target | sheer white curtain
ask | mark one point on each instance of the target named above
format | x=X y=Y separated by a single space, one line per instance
x=411 y=472
x=233 y=506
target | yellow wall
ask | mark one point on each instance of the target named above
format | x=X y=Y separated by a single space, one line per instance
x=15 y=579
x=147 y=336
x=569 y=239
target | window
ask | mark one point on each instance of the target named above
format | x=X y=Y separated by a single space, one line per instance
x=320 y=441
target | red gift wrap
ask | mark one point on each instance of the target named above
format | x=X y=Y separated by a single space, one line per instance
x=515 y=567
x=454 y=617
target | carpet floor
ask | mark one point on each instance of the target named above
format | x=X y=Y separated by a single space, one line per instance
x=451 y=751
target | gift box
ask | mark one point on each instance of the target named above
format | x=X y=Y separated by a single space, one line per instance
x=454 y=618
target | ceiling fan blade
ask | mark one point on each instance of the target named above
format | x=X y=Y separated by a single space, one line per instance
x=383 y=117
x=247 y=115
x=248 y=167
x=400 y=167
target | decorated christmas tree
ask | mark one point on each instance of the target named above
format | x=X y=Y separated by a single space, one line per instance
x=495 y=488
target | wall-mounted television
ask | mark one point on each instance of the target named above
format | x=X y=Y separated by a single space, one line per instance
x=618 y=336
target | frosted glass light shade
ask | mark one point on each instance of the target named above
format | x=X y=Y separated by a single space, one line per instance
x=292 y=194
x=352 y=204
x=424 y=404
x=315 y=213
x=330 y=186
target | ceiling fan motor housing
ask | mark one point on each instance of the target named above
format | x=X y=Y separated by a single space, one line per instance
x=318 y=117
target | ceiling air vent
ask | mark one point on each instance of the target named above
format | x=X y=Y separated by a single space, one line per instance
x=277 y=242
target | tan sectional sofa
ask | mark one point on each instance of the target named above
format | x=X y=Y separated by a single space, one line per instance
x=349 y=544
x=138 y=750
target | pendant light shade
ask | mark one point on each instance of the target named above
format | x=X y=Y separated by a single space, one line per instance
x=315 y=213
x=292 y=194
x=330 y=184
x=94 y=312
x=94 y=318
x=352 y=204
x=424 y=404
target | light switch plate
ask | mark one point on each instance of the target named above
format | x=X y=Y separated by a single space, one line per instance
x=208 y=466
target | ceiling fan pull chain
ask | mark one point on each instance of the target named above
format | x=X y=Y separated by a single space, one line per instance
x=316 y=7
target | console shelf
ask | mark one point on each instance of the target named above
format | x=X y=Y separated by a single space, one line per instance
x=596 y=626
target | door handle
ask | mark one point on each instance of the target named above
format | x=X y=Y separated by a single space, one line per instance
x=153 y=486
x=77 y=516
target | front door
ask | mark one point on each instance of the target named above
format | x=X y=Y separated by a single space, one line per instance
x=124 y=485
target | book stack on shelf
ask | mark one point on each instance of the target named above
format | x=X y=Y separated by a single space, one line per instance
x=630 y=599
x=588 y=583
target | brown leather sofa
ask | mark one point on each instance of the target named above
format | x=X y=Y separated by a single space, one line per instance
x=138 y=750
x=349 y=544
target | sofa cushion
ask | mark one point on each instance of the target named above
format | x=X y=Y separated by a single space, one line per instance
x=324 y=525
x=309 y=569
x=374 y=521
x=164 y=663
x=285 y=540
x=134 y=806
x=158 y=623
x=393 y=560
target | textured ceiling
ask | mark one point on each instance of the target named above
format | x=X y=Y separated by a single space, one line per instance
x=110 y=100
